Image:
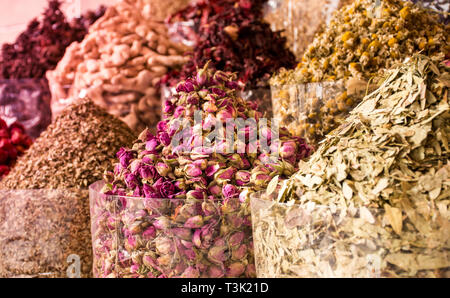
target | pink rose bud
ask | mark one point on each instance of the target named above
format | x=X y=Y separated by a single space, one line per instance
x=224 y=175
x=215 y=272
x=250 y=271
x=229 y=191
x=194 y=222
x=196 y=240
x=162 y=168
x=242 y=178
x=235 y=270
x=209 y=107
x=244 y=195
x=288 y=149
x=212 y=169
x=215 y=190
x=223 y=115
x=201 y=163
x=149 y=233
x=164 y=245
x=187 y=244
x=182 y=233
x=239 y=253
x=217 y=254
x=236 y=239
x=196 y=194
x=161 y=223
x=202 y=77
x=190 y=272
x=134 y=268
x=192 y=170
x=208 y=208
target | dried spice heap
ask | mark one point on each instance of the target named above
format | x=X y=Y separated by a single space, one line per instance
x=233 y=36
x=24 y=90
x=194 y=220
x=359 y=42
x=377 y=190
x=67 y=157
x=119 y=65
x=13 y=143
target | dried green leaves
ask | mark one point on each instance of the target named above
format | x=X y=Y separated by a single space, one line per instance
x=380 y=180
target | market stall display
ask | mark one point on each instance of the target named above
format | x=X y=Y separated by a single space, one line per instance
x=190 y=215
x=49 y=184
x=233 y=36
x=119 y=64
x=373 y=200
x=361 y=40
x=24 y=90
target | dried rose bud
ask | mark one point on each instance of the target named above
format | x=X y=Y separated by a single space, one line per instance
x=288 y=149
x=235 y=270
x=162 y=168
x=192 y=170
x=218 y=254
x=196 y=239
x=164 y=245
x=182 y=233
x=242 y=178
x=230 y=191
x=191 y=272
x=194 y=222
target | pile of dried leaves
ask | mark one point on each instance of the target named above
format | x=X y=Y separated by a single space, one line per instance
x=374 y=198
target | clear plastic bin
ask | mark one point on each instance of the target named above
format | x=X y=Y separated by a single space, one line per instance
x=45 y=233
x=315 y=109
x=26 y=101
x=309 y=240
x=159 y=237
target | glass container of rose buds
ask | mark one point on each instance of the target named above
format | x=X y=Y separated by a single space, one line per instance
x=159 y=237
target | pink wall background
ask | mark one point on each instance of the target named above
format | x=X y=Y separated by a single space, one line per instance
x=15 y=14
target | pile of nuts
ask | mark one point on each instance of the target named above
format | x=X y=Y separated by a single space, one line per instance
x=361 y=40
x=119 y=65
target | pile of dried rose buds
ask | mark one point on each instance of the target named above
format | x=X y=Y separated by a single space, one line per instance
x=13 y=143
x=191 y=217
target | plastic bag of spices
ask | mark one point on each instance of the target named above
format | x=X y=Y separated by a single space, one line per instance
x=26 y=101
x=51 y=239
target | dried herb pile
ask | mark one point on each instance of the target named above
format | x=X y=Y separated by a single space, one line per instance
x=361 y=40
x=201 y=226
x=119 y=64
x=234 y=37
x=376 y=191
x=13 y=143
x=23 y=64
x=54 y=220
x=71 y=151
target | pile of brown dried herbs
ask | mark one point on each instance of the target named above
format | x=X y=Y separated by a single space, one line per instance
x=374 y=199
x=69 y=156
x=361 y=40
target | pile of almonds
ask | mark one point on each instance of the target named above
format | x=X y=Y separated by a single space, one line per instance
x=119 y=65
